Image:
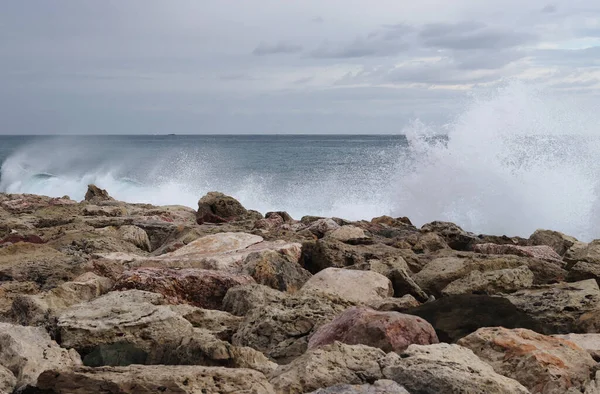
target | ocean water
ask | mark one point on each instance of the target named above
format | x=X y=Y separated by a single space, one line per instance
x=514 y=160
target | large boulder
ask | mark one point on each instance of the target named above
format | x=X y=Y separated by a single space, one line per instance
x=132 y=234
x=8 y=381
x=95 y=194
x=327 y=366
x=589 y=253
x=240 y=300
x=542 y=252
x=220 y=324
x=389 y=331
x=558 y=308
x=146 y=379
x=588 y=342
x=275 y=270
x=350 y=234
x=491 y=282
x=446 y=369
x=455 y=237
x=354 y=286
x=541 y=363
x=198 y=287
x=29 y=351
x=321 y=226
x=559 y=242
x=216 y=207
x=393 y=304
x=281 y=328
x=454 y=317
x=382 y=386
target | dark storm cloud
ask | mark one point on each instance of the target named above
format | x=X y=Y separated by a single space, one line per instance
x=274 y=49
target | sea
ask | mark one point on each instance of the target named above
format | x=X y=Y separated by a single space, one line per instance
x=508 y=164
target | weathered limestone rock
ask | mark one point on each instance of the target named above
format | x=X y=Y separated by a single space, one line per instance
x=558 y=308
x=327 y=366
x=146 y=379
x=321 y=227
x=354 y=286
x=281 y=328
x=216 y=207
x=108 y=211
x=583 y=270
x=350 y=234
x=492 y=282
x=541 y=363
x=275 y=270
x=382 y=386
x=401 y=304
x=198 y=287
x=590 y=252
x=588 y=342
x=429 y=242
x=9 y=291
x=28 y=351
x=542 y=252
x=388 y=331
x=132 y=234
x=8 y=381
x=557 y=241
x=446 y=369
x=221 y=324
x=240 y=300
x=95 y=194
x=455 y=237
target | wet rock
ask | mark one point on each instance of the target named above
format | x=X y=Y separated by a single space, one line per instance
x=324 y=367
x=542 y=252
x=491 y=282
x=198 y=287
x=379 y=387
x=541 y=363
x=216 y=207
x=28 y=351
x=354 y=286
x=391 y=304
x=275 y=270
x=588 y=342
x=455 y=237
x=143 y=379
x=454 y=317
x=240 y=300
x=446 y=369
x=280 y=329
x=559 y=242
x=388 y=331
x=558 y=308
x=95 y=194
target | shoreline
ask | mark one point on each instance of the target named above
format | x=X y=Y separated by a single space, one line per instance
x=227 y=299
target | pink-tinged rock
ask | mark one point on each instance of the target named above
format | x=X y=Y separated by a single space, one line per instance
x=542 y=252
x=198 y=287
x=389 y=331
x=14 y=238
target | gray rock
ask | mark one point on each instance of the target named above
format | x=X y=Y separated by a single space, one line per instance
x=492 y=282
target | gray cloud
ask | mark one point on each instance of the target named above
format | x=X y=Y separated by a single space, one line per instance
x=273 y=49
x=549 y=9
x=473 y=35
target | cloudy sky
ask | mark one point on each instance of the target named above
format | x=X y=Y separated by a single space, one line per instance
x=279 y=66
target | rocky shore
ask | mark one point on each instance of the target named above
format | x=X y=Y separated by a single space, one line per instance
x=102 y=296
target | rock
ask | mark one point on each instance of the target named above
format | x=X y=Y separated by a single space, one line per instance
x=382 y=386
x=350 y=234
x=11 y=290
x=351 y=285
x=216 y=207
x=145 y=379
x=108 y=211
x=589 y=253
x=220 y=324
x=275 y=270
x=429 y=242
x=558 y=308
x=327 y=366
x=542 y=252
x=198 y=287
x=401 y=304
x=95 y=194
x=280 y=329
x=41 y=309
x=491 y=282
x=454 y=317
x=455 y=237
x=8 y=382
x=388 y=331
x=588 y=342
x=271 y=223
x=321 y=227
x=240 y=300
x=14 y=238
x=282 y=214
x=559 y=242
x=28 y=351
x=593 y=387
x=541 y=363
x=583 y=270
x=136 y=236
x=446 y=369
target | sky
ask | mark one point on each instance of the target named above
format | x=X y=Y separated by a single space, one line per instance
x=280 y=66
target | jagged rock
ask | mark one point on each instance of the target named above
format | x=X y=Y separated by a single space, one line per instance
x=454 y=317
x=401 y=304
x=557 y=241
x=240 y=300
x=559 y=307
x=429 y=242
x=109 y=211
x=542 y=252
x=541 y=363
x=131 y=234
x=350 y=234
x=198 y=287
x=41 y=309
x=382 y=386
x=9 y=291
x=146 y=379
x=354 y=286
x=583 y=270
x=275 y=270
x=327 y=366
x=388 y=331
x=589 y=253
x=280 y=329
x=216 y=207
x=392 y=222
x=491 y=282
x=588 y=342
x=396 y=270
x=446 y=369
x=8 y=381
x=28 y=351
x=321 y=227
x=455 y=237
x=95 y=194
x=221 y=324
